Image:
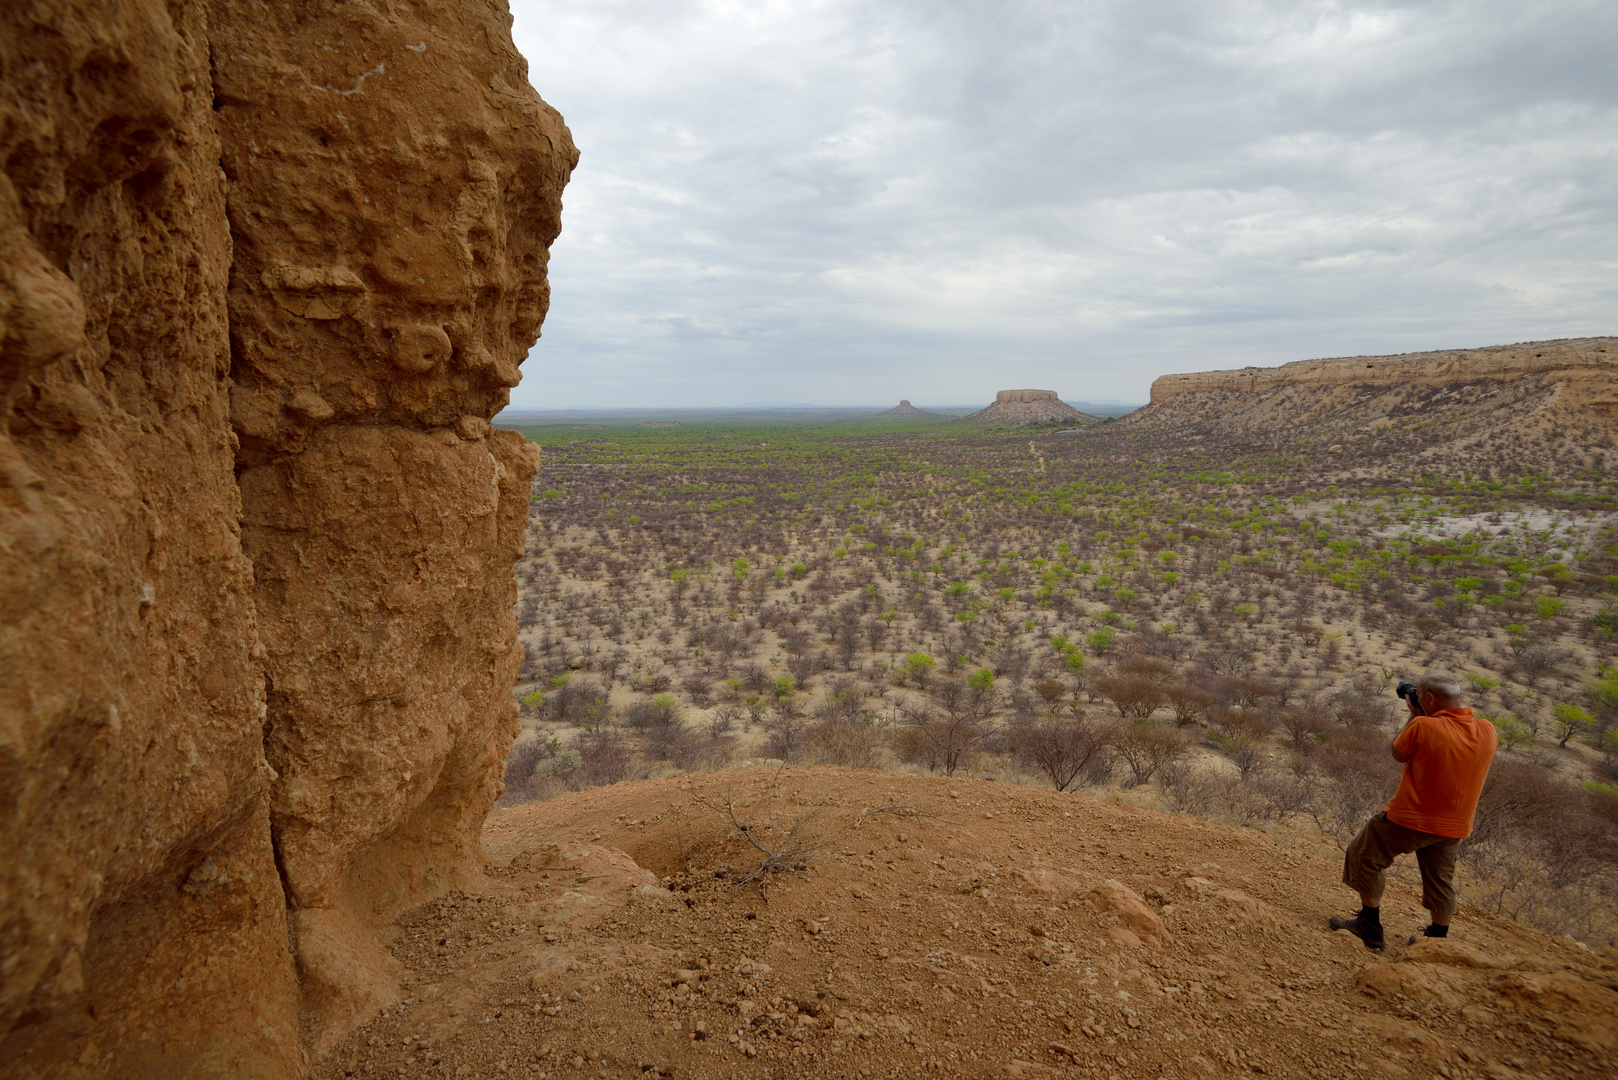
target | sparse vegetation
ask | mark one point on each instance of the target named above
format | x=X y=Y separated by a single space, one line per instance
x=1209 y=622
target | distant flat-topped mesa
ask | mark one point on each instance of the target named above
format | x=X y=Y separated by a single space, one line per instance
x=906 y=411
x=1030 y=407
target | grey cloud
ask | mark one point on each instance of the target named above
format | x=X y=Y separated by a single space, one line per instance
x=851 y=203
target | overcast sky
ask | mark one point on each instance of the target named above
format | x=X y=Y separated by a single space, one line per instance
x=853 y=202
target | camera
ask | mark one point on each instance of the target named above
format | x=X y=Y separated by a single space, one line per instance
x=1407 y=690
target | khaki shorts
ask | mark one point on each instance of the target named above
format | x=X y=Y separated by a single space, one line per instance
x=1367 y=859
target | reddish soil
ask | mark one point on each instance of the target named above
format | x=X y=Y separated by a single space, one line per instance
x=950 y=928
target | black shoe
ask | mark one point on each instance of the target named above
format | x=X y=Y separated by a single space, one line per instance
x=1366 y=932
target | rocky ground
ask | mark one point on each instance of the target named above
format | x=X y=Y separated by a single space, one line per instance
x=950 y=927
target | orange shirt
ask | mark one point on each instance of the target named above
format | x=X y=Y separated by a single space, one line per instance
x=1450 y=754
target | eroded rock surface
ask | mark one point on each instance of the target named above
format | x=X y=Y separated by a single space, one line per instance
x=201 y=676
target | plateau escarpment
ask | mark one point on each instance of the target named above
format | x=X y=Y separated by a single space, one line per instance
x=266 y=272
x=1543 y=387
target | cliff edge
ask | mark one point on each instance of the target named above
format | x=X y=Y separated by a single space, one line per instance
x=266 y=272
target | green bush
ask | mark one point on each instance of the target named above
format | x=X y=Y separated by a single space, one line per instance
x=1569 y=720
x=1512 y=731
x=561 y=765
x=1099 y=641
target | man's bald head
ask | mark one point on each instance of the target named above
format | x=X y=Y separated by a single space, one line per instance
x=1445 y=688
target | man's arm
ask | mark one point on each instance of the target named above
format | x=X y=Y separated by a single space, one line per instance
x=1403 y=753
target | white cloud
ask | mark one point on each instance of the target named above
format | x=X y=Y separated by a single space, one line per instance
x=853 y=202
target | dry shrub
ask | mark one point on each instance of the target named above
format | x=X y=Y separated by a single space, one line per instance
x=1189 y=703
x=1354 y=783
x=605 y=758
x=1065 y=750
x=786 y=735
x=1541 y=854
x=1301 y=725
x=946 y=740
x=520 y=780
x=579 y=701
x=698 y=688
x=1134 y=696
x=1145 y=747
x=1266 y=795
x=752 y=836
x=1050 y=690
x=852 y=744
x=1145 y=667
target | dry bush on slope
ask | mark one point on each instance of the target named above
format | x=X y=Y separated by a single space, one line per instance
x=746 y=837
x=1541 y=852
x=1064 y=749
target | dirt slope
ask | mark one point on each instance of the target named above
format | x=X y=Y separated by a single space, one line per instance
x=999 y=931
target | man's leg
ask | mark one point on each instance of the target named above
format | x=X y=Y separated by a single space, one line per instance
x=1437 y=863
x=1365 y=865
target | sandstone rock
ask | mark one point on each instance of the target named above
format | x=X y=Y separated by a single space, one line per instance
x=141 y=919
x=1451 y=952
x=333 y=316
x=1257 y=911
x=1426 y=982
x=1019 y=407
x=1136 y=917
x=1042 y=881
x=1577 y=1010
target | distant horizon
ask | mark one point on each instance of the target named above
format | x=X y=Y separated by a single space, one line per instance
x=806 y=202
x=1075 y=402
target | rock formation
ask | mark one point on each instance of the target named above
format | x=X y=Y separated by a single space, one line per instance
x=1021 y=407
x=266 y=271
x=1577 y=376
x=906 y=411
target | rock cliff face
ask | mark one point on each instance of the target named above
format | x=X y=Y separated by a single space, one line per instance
x=266 y=272
x=1029 y=407
x=1580 y=374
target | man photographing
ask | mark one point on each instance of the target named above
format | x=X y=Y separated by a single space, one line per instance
x=1446 y=753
